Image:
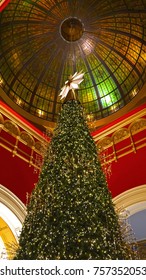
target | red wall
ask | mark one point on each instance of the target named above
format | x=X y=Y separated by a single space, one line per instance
x=16 y=175
x=128 y=172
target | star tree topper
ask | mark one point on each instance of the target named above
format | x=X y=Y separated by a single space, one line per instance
x=72 y=83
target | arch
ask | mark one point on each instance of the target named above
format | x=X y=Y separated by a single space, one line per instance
x=27 y=139
x=137 y=126
x=39 y=147
x=120 y=135
x=12 y=203
x=12 y=214
x=134 y=200
x=104 y=143
x=11 y=128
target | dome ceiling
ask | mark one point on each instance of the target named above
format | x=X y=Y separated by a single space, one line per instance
x=43 y=42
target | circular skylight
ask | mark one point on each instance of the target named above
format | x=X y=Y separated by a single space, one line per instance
x=71 y=29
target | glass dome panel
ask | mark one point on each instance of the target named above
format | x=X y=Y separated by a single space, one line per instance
x=43 y=42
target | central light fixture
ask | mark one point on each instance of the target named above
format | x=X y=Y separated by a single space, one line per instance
x=71 y=29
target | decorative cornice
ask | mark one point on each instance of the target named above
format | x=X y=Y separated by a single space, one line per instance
x=125 y=122
x=20 y=122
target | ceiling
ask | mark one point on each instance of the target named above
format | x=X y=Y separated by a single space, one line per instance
x=43 y=42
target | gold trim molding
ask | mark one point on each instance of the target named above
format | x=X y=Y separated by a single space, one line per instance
x=106 y=141
x=126 y=122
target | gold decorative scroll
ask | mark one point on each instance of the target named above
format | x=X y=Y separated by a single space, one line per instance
x=120 y=135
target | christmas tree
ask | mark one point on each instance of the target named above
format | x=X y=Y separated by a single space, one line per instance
x=71 y=215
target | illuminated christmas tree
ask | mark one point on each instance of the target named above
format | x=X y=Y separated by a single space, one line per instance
x=71 y=215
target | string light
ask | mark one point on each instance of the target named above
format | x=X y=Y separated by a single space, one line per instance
x=71 y=214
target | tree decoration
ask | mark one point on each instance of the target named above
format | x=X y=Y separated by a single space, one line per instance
x=71 y=84
x=71 y=215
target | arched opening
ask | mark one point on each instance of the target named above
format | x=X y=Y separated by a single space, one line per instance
x=7 y=240
x=134 y=202
x=12 y=214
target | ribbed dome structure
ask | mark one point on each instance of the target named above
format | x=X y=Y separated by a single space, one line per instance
x=43 y=42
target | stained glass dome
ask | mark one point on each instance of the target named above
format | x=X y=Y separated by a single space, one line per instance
x=43 y=42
